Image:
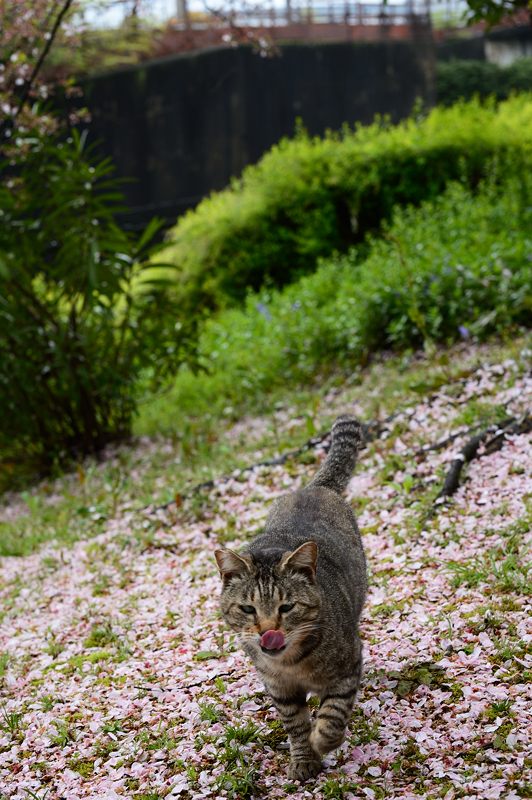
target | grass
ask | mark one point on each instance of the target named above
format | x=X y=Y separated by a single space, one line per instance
x=84 y=766
x=78 y=505
x=336 y=790
x=157 y=739
x=210 y=713
x=480 y=413
x=407 y=763
x=240 y=777
x=64 y=733
x=423 y=674
x=455 y=267
x=101 y=635
x=10 y=721
x=503 y=568
x=4 y=661
x=458 y=262
x=363 y=729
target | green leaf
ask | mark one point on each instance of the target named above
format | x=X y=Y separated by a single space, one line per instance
x=206 y=655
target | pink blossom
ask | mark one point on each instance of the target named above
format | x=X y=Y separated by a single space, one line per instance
x=138 y=711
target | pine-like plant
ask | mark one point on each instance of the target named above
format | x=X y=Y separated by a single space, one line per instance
x=81 y=320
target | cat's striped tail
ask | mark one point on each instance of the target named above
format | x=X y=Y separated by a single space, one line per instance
x=335 y=472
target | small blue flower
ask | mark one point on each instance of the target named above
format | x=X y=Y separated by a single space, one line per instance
x=262 y=309
x=464 y=332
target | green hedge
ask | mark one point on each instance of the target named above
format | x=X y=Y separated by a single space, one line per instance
x=456 y=266
x=308 y=197
x=461 y=80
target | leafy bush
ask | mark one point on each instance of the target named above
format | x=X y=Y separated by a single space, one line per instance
x=463 y=79
x=308 y=197
x=458 y=266
x=79 y=317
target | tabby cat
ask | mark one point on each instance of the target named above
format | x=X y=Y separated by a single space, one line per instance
x=295 y=595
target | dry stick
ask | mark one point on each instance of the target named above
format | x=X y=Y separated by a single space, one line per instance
x=442 y=443
x=524 y=425
x=269 y=462
x=470 y=451
x=372 y=431
x=188 y=686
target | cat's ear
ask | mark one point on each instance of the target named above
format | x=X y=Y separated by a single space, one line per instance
x=230 y=563
x=304 y=559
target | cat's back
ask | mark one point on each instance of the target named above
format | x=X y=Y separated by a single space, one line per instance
x=314 y=507
x=319 y=513
x=313 y=513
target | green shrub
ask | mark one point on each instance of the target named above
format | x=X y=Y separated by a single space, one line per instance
x=519 y=75
x=461 y=80
x=464 y=79
x=308 y=197
x=79 y=319
x=457 y=266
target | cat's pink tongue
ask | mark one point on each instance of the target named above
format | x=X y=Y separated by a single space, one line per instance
x=272 y=640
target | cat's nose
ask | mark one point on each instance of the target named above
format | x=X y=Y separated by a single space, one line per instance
x=267 y=625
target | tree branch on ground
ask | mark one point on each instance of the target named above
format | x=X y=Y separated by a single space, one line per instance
x=166 y=689
x=494 y=438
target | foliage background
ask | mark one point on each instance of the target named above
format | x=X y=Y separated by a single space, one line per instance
x=462 y=80
x=80 y=318
x=456 y=268
x=308 y=197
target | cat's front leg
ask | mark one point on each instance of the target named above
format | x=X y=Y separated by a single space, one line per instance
x=333 y=715
x=305 y=763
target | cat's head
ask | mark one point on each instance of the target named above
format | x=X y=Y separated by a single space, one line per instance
x=271 y=591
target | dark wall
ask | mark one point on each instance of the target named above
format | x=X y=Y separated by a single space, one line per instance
x=184 y=126
x=470 y=49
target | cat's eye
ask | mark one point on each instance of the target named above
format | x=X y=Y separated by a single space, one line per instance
x=286 y=608
x=247 y=609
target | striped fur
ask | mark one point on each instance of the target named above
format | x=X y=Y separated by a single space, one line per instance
x=340 y=462
x=305 y=577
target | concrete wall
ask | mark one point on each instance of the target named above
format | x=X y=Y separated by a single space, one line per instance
x=501 y=47
x=506 y=46
x=183 y=126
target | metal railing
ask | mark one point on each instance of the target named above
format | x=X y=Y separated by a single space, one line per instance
x=331 y=13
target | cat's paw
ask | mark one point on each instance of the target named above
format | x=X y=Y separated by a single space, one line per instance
x=304 y=770
x=323 y=742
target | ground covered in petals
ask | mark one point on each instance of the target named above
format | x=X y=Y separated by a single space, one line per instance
x=118 y=680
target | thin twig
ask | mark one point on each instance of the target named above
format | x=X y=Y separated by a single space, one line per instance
x=442 y=443
x=470 y=451
x=188 y=686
